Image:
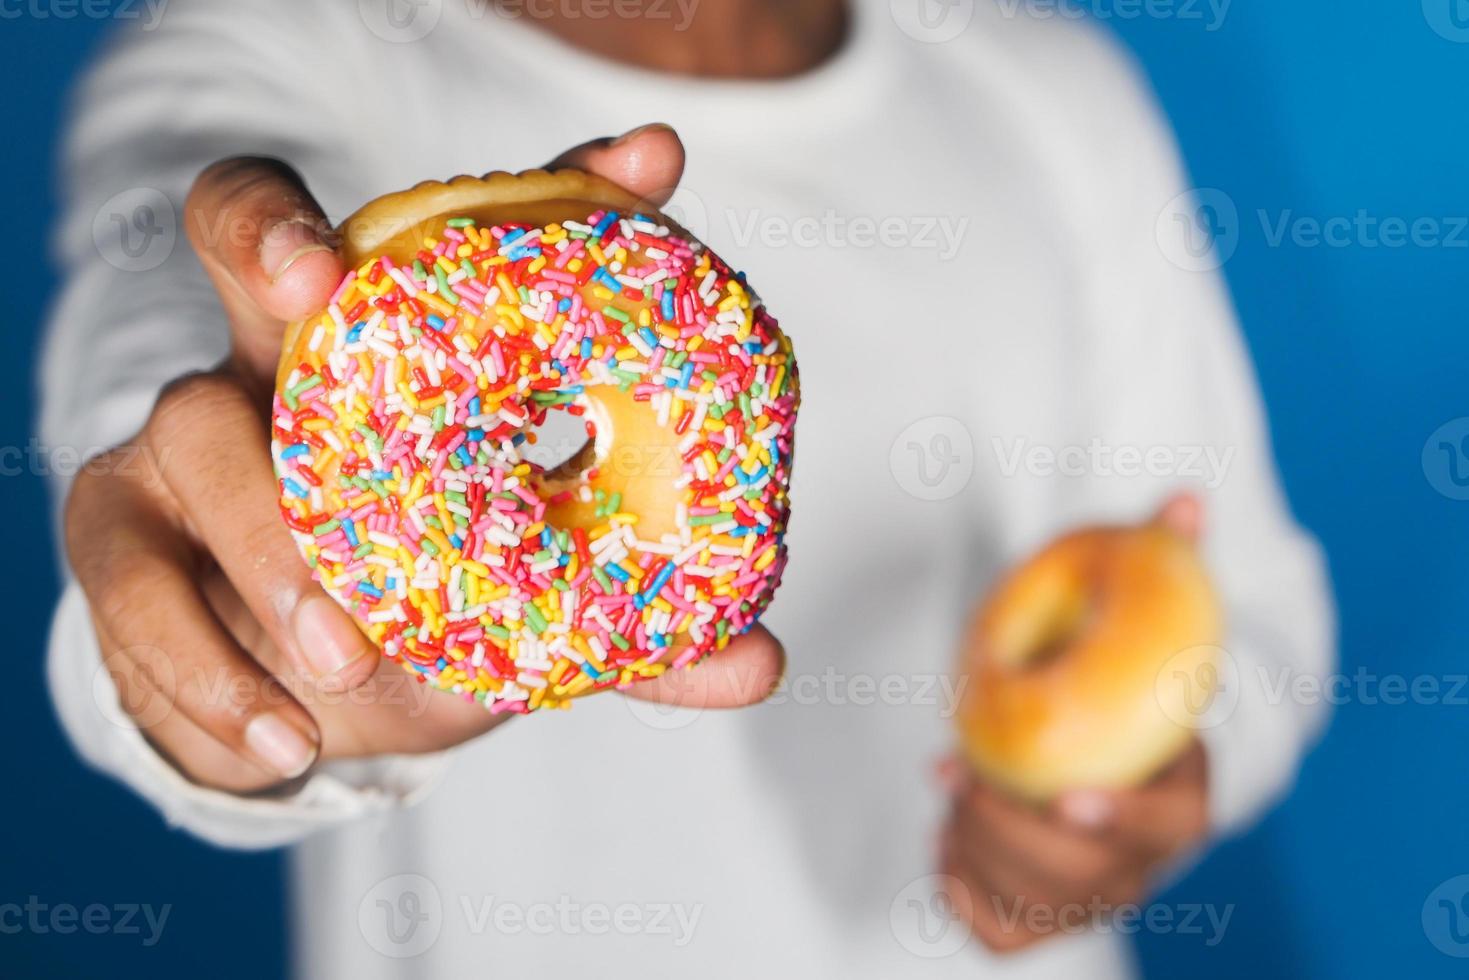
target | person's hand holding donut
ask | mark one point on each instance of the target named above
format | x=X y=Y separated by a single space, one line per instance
x=1031 y=872
x=1028 y=870
x=198 y=595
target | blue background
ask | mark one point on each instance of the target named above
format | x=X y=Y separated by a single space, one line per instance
x=1313 y=108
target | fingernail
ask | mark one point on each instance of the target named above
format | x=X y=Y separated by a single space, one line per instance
x=1086 y=808
x=633 y=134
x=284 y=243
x=327 y=638
x=280 y=745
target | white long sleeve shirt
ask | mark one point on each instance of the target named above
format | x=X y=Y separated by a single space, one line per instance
x=972 y=242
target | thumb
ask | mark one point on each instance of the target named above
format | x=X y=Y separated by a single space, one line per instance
x=1182 y=513
x=647 y=161
x=743 y=673
x=266 y=245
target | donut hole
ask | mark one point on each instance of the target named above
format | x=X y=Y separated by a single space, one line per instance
x=1058 y=634
x=1047 y=636
x=563 y=446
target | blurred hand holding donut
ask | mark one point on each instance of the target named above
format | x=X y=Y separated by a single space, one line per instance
x=1081 y=784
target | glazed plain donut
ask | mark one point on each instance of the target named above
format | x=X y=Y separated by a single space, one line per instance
x=472 y=310
x=1071 y=662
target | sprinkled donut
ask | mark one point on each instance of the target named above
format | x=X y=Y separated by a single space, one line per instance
x=404 y=412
